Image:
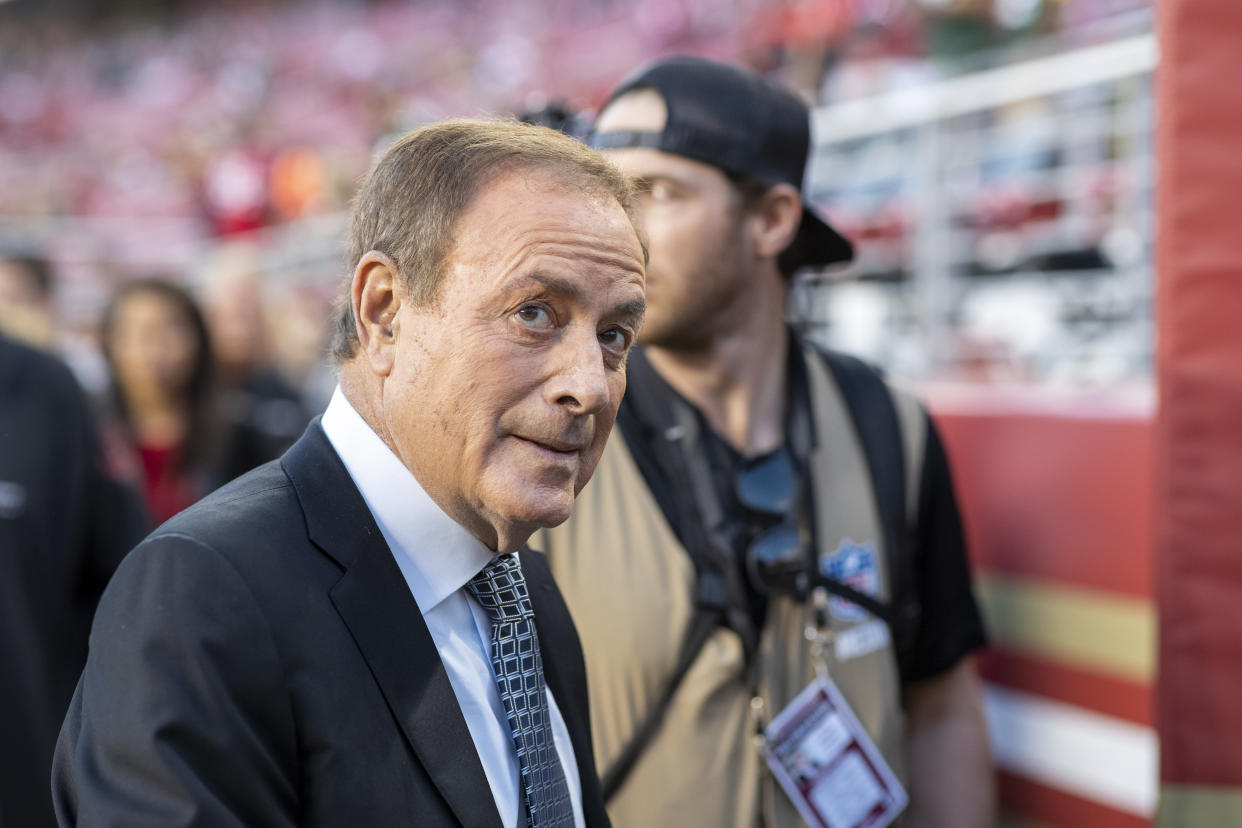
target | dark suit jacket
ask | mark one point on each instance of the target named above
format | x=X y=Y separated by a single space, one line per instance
x=65 y=524
x=259 y=660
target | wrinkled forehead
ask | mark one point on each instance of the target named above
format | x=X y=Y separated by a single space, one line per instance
x=526 y=210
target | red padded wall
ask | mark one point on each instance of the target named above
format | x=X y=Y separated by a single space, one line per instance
x=1198 y=445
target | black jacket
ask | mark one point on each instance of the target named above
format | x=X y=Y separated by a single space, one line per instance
x=259 y=660
x=64 y=527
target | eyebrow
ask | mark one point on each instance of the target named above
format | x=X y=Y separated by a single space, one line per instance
x=644 y=182
x=635 y=308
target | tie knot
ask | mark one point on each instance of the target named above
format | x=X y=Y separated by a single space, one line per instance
x=500 y=589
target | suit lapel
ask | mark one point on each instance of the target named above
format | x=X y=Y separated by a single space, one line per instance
x=565 y=673
x=375 y=604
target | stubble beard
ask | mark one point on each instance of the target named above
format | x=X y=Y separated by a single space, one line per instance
x=690 y=321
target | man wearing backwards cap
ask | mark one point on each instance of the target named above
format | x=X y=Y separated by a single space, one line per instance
x=762 y=488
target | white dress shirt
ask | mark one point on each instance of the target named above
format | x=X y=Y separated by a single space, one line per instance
x=438 y=557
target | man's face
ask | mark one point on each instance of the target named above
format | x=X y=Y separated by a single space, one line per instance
x=504 y=390
x=234 y=309
x=701 y=263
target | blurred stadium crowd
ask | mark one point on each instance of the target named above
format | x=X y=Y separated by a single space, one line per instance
x=131 y=143
x=244 y=115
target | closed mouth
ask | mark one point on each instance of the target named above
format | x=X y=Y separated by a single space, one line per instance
x=559 y=446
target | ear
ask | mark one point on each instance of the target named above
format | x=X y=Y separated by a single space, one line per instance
x=775 y=220
x=376 y=295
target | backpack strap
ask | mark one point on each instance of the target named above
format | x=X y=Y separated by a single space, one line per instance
x=883 y=434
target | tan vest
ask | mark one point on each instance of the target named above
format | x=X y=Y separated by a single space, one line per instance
x=630 y=587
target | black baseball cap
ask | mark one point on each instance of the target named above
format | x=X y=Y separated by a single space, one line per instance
x=738 y=121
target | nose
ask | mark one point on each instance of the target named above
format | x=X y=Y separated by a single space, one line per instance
x=579 y=381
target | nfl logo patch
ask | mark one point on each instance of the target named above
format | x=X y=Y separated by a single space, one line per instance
x=854 y=565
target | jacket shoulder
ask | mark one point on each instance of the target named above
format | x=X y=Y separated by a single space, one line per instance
x=259 y=510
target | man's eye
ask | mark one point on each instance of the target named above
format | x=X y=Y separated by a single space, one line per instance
x=534 y=316
x=659 y=191
x=615 y=339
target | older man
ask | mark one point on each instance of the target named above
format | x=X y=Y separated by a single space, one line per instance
x=347 y=636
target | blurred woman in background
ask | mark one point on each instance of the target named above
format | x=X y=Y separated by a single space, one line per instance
x=155 y=341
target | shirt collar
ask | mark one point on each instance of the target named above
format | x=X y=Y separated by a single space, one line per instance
x=436 y=554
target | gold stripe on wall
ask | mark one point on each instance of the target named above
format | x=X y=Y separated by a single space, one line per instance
x=1199 y=806
x=1083 y=628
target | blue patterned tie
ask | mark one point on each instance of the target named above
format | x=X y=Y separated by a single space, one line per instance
x=501 y=589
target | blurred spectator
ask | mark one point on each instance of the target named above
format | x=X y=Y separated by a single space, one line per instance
x=264 y=413
x=235 y=191
x=28 y=313
x=26 y=299
x=297 y=181
x=64 y=526
x=155 y=342
x=299 y=344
